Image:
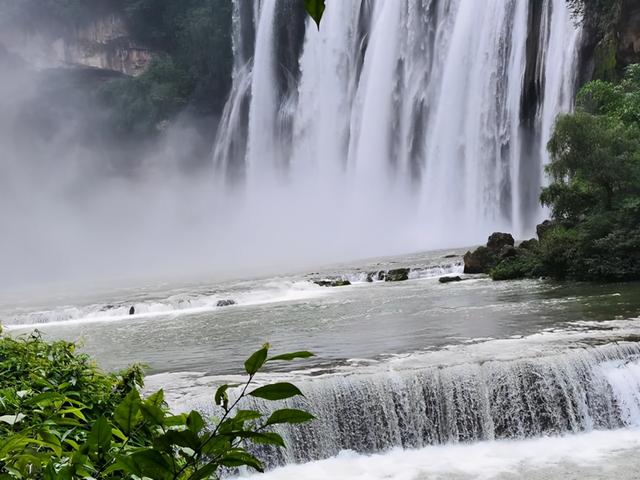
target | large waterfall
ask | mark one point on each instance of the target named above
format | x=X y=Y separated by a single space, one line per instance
x=431 y=114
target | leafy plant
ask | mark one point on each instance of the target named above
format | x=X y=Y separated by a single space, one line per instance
x=62 y=418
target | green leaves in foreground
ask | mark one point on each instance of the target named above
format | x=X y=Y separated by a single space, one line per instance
x=315 y=9
x=61 y=418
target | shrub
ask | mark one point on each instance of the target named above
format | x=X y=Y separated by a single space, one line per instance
x=62 y=418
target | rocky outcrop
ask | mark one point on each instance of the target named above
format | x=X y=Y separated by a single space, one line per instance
x=336 y=282
x=543 y=228
x=628 y=51
x=397 y=275
x=104 y=44
x=457 y=278
x=225 y=303
x=498 y=240
x=483 y=259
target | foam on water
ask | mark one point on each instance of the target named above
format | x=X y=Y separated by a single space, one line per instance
x=593 y=455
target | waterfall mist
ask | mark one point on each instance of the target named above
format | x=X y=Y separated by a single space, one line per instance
x=398 y=126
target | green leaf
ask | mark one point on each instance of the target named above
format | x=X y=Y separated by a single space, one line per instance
x=195 y=423
x=152 y=413
x=315 y=9
x=99 y=438
x=246 y=415
x=205 y=472
x=127 y=414
x=51 y=441
x=152 y=464
x=256 y=360
x=222 y=398
x=291 y=356
x=289 y=415
x=276 y=391
x=156 y=399
x=183 y=438
x=238 y=458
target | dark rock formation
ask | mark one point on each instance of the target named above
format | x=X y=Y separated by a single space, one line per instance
x=132 y=310
x=381 y=275
x=450 y=279
x=452 y=255
x=225 y=303
x=479 y=261
x=497 y=240
x=397 y=275
x=530 y=244
x=337 y=282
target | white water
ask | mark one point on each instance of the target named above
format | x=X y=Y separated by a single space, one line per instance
x=594 y=455
x=411 y=111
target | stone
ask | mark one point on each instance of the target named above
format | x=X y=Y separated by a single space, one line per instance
x=382 y=275
x=457 y=278
x=225 y=303
x=452 y=255
x=332 y=283
x=397 y=275
x=132 y=310
x=481 y=260
x=497 y=240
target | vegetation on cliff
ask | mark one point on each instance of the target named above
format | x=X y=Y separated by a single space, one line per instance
x=62 y=418
x=594 y=191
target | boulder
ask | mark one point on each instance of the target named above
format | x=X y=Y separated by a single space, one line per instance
x=498 y=240
x=337 y=282
x=397 y=275
x=370 y=277
x=481 y=260
x=225 y=303
x=132 y=310
x=382 y=275
x=452 y=255
x=530 y=244
x=457 y=278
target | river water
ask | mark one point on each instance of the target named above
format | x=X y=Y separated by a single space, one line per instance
x=517 y=378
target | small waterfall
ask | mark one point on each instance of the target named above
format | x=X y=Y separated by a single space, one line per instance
x=585 y=389
x=434 y=113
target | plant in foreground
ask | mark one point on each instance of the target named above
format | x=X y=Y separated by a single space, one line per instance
x=62 y=418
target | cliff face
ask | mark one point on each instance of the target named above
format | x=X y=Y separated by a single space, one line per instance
x=104 y=43
x=629 y=33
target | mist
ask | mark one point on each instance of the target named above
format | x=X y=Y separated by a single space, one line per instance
x=79 y=208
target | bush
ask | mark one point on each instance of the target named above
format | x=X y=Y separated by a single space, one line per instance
x=62 y=418
x=524 y=265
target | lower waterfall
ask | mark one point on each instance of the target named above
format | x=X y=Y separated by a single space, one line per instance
x=586 y=389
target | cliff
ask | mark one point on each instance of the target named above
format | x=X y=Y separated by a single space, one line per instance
x=103 y=43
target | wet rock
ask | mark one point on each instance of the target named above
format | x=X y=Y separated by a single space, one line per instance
x=333 y=283
x=452 y=255
x=382 y=275
x=397 y=275
x=481 y=260
x=498 y=240
x=457 y=278
x=370 y=277
x=132 y=310
x=225 y=303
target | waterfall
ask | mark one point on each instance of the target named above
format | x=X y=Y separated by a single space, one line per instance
x=585 y=389
x=431 y=114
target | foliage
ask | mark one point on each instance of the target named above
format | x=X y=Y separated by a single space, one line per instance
x=61 y=418
x=594 y=193
x=140 y=105
x=524 y=264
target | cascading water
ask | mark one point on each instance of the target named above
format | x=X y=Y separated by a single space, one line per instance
x=431 y=114
x=587 y=389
